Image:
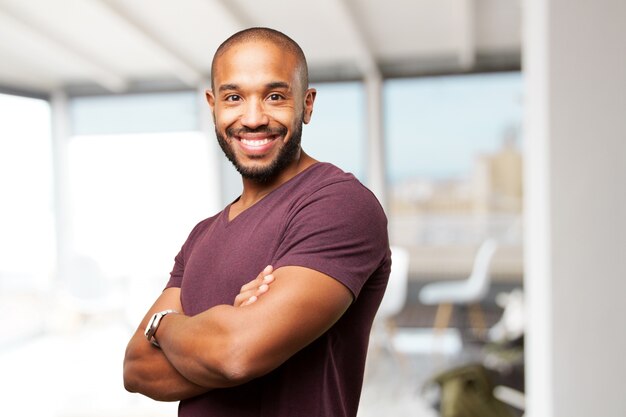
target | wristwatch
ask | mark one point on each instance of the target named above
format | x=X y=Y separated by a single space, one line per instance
x=153 y=325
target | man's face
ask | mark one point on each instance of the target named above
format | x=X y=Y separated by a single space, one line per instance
x=259 y=106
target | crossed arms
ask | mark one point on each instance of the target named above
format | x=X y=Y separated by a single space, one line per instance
x=226 y=345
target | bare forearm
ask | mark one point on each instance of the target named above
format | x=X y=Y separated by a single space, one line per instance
x=200 y=347
x=227 y=346
x=147 y=371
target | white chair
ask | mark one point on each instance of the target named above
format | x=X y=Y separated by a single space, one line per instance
x=88 y=292
x=470 y=291
x=395 y=294
x=393 y=301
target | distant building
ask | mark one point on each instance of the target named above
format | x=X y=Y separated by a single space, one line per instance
x=463 y=211
x=497 y=179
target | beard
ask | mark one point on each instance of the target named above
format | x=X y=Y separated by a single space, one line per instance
x=263 y=174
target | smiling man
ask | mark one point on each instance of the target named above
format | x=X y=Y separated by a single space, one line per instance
x=223 y=346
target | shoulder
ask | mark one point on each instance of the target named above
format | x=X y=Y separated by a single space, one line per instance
x=325 y=176
x=329 y=185
x=201 y=228
x=332 y=204
x=324 y=173
x=336 y=226
x=205 y=224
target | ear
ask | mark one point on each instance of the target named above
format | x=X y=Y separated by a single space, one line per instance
x=210 y=98
x=309 y=99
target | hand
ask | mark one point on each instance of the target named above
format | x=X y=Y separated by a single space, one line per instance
x=251 y=292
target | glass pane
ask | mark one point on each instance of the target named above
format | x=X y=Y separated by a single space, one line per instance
x=26 y=218
x=136 y=197
x=337 y=132
x=455 y=170
x=134 y=113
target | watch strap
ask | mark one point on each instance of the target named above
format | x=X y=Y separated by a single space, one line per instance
x=153 y=325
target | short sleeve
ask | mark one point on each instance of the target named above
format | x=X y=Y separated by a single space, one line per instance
x=176 y=276
x=339 y=230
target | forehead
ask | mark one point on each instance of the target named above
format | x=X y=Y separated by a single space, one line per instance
x=254 y=62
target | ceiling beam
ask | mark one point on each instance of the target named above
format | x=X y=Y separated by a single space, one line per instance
x=231 y=8
x=183 y=69
x=365 y=57
x=372 y=78
x=467 y=34
x=21 y=68
x=98 y=71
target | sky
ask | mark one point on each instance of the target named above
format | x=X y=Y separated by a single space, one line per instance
x=434 y=127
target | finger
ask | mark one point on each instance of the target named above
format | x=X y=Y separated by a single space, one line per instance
x=268 y=279
x=244 y=296
x=256 y=287
x=239 y=300
x=260 y=279
x=250 y=300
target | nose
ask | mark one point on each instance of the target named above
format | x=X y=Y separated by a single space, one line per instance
x=254 y=115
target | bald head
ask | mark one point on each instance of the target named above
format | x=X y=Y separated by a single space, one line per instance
x=260 y=34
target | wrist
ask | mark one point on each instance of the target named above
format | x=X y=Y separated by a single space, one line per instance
x=153 y=325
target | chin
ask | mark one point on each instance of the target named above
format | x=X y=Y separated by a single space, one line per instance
x=264 y=172
x=260 y=173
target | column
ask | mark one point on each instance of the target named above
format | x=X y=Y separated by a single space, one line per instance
x=205 y=118
x=375 y=143
x=61 y=131
x=575 y=176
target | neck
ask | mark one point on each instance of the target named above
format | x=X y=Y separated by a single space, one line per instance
x=253 y=191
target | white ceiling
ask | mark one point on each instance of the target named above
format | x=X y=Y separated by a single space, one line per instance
x=125 y=45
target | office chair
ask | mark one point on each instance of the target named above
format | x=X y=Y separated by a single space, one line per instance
x=470 y=291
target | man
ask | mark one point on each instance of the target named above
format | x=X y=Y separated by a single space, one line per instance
x=298 y=349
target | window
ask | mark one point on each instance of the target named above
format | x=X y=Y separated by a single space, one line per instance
x=140 y=177
x=337 y=132
x=135 y=198
x=27 y=250
x=454 y=163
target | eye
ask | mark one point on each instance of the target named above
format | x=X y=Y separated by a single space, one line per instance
x=275 y=97
x=233 y=97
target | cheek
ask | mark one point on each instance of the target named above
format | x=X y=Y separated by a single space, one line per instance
x=287 y=117
x=224 y=117
x=222 y=127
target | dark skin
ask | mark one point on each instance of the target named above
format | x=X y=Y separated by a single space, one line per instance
x=256 y=84
x=144 y=361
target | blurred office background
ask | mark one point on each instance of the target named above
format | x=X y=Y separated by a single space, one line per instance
x=491 y=130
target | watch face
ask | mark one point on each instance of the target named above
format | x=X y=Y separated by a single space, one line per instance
x=153 y=325
x=149 y=331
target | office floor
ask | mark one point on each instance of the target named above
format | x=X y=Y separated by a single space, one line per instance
x=76 y=371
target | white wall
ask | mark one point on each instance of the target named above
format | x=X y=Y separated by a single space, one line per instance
x=575 y=69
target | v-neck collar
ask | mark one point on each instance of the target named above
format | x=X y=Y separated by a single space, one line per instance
x=226 y=212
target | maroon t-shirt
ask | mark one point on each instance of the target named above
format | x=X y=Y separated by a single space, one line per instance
x=323 y=219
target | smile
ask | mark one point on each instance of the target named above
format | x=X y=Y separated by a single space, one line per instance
x=257 y=145
x=255 y=142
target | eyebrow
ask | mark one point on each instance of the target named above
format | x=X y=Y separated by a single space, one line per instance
x=270 y=86
x=228 y=87
x=277 y=85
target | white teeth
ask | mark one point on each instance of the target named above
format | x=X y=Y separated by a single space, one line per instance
x=249 y=142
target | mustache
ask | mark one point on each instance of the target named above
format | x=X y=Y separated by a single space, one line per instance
x=270 y=131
